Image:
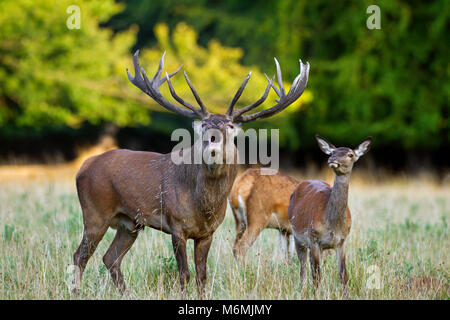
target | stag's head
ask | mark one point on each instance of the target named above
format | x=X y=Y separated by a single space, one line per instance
x=218 y=130
x=341 y=159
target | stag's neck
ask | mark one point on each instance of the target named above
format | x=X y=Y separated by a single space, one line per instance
x=336 y=212
x=209 y=191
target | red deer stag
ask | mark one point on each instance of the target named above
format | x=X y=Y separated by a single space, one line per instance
x=258 y=202
x=319 y=213
x=128 y=190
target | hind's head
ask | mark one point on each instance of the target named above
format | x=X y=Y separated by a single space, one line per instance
x=341 y=159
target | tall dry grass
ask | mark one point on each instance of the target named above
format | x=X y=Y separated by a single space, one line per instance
x=399 y=234
x=402 y=231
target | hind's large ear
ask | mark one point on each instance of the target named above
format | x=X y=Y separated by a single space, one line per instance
x=363 y=147
x=324 y=145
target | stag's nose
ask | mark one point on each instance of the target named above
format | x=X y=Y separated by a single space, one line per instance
x=215 y=148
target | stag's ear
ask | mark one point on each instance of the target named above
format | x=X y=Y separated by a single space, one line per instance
x=324 y=145
x=363 y=147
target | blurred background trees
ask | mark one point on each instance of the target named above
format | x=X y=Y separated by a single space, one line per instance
x=391 y=83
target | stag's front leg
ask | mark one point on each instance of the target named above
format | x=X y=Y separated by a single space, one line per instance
x=179 y=247
x=201 y=249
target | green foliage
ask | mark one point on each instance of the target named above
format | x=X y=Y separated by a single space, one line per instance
x=52 y=76
x=215 y=70
x=390 y=83
x=235 y=22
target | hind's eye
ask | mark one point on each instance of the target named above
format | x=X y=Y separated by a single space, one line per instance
x=350 y=155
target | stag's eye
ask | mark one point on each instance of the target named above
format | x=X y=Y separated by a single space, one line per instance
x=230 y=126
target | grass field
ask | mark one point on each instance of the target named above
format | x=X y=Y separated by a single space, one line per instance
x=399 y=233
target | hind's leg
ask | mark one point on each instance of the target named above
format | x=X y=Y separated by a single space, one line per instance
x=284 y=243
x=301 y=253
x=292 y=249
x=240 y=225
x=92 y=235
x=340 y=253
x=248 y=238
x=314 y=260
x=257 y=217
x=122 y=242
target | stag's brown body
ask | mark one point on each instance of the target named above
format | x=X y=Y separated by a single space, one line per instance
x=129 y=190
x=258 y=202
x=164 y=196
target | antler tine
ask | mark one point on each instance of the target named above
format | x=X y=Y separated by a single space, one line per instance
x=160 y=67
x=152 y=87
x=137 y=79
x=238 y=94
x=163 y=79
x=240 y=111
x=296 y=90
x=280 y=79
x=179 y=99
x=197 y=97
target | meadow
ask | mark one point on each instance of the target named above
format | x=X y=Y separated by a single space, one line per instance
x=398 y=248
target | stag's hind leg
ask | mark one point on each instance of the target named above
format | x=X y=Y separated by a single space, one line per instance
x=93 y=233
x=121 y=244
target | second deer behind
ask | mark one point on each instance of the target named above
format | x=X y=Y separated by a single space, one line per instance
x=258 y=202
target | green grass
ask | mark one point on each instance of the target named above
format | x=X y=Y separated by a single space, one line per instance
x=398 y=231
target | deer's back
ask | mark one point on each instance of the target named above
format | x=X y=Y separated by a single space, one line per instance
x=120 y=180
x=242 y=186
x=263 y=193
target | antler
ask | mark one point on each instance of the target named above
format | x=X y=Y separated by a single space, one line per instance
x=238 y=94
x=151 y=88
x=296 y=90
